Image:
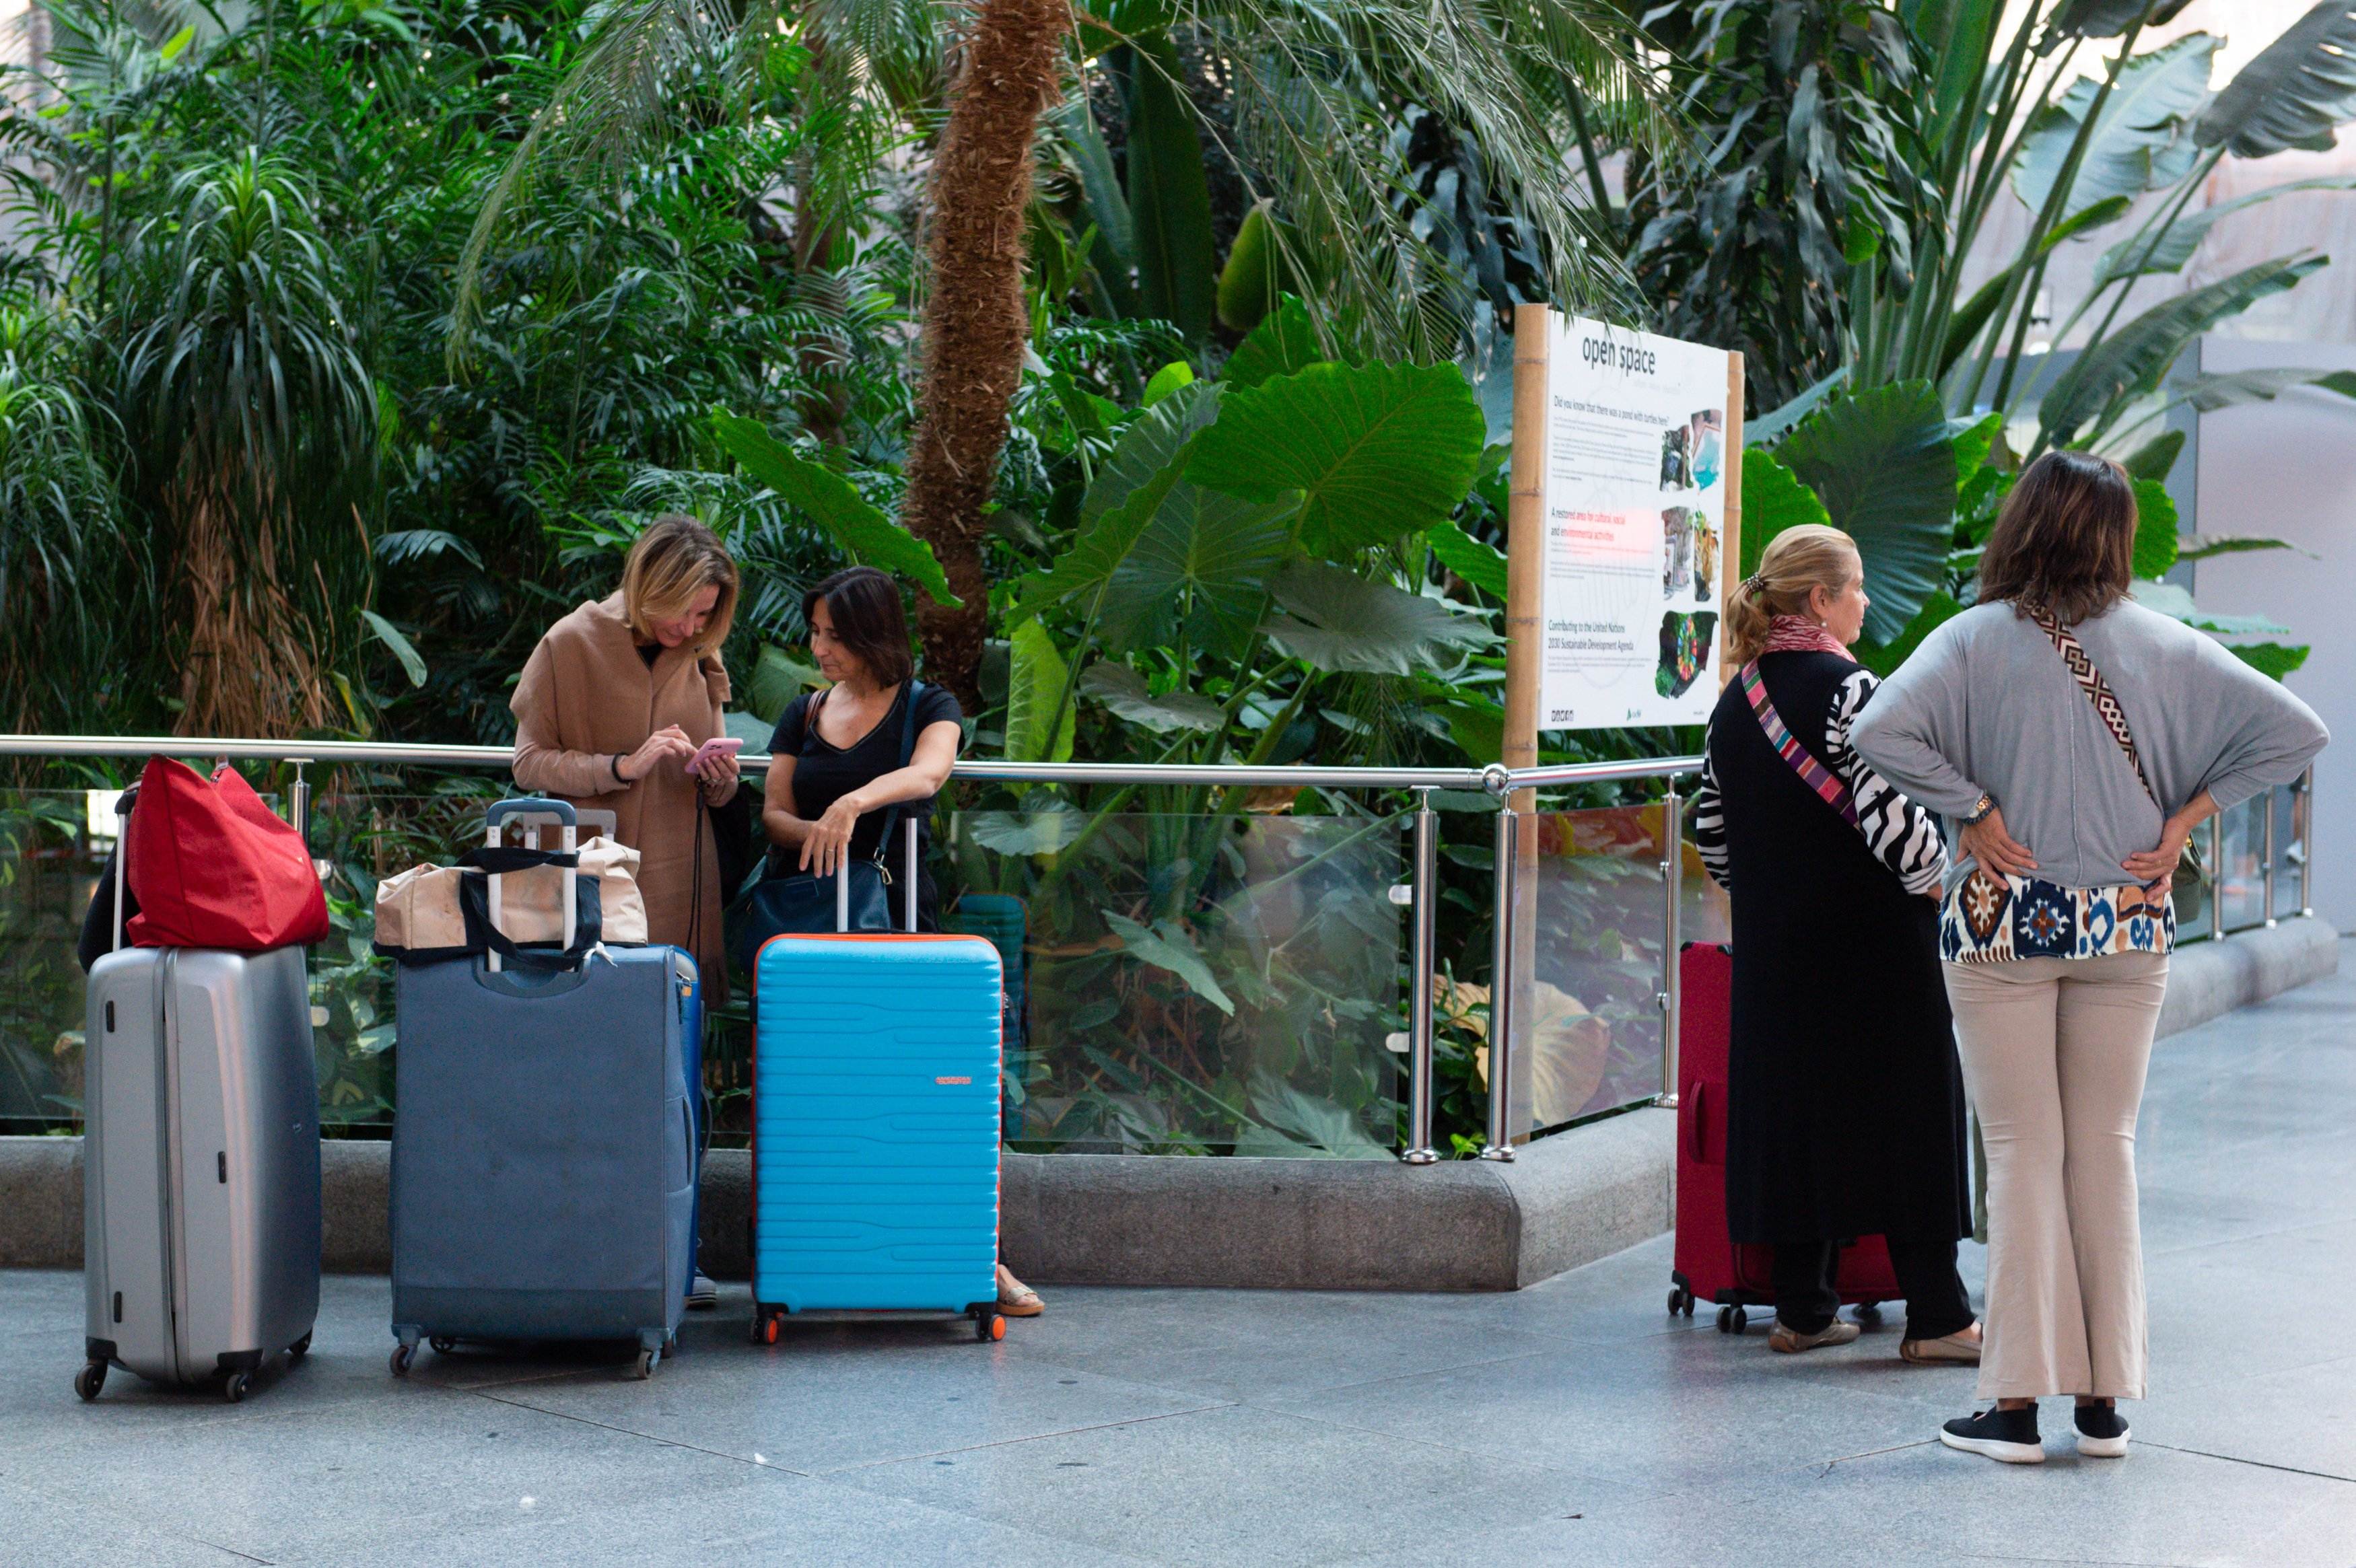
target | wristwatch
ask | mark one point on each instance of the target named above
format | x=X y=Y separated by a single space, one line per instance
x=1981 y=811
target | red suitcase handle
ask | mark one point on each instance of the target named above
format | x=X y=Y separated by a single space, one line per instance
x=1696 y=1144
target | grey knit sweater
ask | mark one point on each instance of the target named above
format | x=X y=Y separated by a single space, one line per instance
x=1986 y=704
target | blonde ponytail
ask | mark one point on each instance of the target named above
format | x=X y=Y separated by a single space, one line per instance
x=1795 y=561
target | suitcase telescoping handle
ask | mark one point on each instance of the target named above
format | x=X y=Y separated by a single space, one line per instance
x=533 y=812
x=907 y=886
x=121 y=861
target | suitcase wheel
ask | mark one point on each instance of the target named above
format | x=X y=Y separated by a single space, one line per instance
x=989 y=1326
x=442 y=1344
x=300 y=1347
x=401 y=1356
x=767 y=1328
x=1732 y=1319
x=1681 y=1302
x=647 y=1360
x=1868 y=1313
x=89 y=1380
x=234 y=1389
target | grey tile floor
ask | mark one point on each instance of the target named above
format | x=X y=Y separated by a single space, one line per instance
x=1573 y=1423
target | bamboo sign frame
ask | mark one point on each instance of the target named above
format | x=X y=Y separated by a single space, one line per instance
x=1538 y=335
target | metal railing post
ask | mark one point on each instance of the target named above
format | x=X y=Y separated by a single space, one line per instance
x=1500 y=1145
x=2217 y=878
x=298 y=799
x=1673 y=866
x=1425 y=911
x=2266 y=876
x=2303 y=819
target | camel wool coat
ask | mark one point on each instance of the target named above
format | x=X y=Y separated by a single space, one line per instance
x=586 y=696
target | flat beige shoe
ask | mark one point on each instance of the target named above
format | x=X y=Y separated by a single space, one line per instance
x=1791 y=1341
x=1952 y=1349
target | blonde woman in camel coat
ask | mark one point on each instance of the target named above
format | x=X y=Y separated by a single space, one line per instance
x=612 y=706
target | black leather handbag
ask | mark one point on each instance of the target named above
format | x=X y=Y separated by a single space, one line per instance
x=805 y=904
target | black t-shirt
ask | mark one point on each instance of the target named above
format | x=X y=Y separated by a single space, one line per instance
x=824 y=773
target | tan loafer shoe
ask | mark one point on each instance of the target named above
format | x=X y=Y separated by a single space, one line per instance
x=1791 y=1341
x=1952 y=1349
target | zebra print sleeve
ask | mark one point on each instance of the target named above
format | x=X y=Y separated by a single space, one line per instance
x=1709 y=822
x=1902 y=835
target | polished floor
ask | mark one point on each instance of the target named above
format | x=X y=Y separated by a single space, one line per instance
x=1574 y=1422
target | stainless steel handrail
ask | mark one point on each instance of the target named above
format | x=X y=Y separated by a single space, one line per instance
x=1493 y=780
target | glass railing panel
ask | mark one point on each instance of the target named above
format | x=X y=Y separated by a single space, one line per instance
x=2240 y=882
x=50 y=864
x=1587 y=1026
x=1191 y=984
x=2290 y=850
x=1704 y=913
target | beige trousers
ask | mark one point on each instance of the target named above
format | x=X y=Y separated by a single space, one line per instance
x=2054 y=1052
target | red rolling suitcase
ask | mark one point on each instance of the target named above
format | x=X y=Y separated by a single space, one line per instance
x=1708 y=1266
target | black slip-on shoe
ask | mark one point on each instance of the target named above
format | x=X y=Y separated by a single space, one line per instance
x=2008 y=1437
x=2102 y=1432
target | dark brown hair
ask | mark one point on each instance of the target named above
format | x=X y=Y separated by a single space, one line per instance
x=864 y=606
x=2066 y=541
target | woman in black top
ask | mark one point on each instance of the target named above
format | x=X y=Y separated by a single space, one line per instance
x=1845 y=1100
x=834 y=761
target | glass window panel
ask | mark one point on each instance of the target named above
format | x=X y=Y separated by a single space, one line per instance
x=1194 y=983
x=1587 y=1026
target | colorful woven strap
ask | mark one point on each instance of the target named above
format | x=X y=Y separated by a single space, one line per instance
x=1798 y=758
x=2098 y=690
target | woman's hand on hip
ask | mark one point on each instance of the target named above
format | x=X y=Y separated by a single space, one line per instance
x=1986 y=842
x=2158 y=864
x=670 y=740
x=828 y=842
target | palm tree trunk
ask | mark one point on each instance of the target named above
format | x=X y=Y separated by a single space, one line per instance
x=975 y=322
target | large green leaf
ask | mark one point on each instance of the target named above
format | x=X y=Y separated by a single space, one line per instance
x=1772 y=501
x=1150 y=445
x=2107 y=19
x=1378 y=452
x=2135 y=357
x=860 y=529
x=1034 y=699
x=1169 y=194
x=1339 y=621
x=2228 y=389
x=1482 y=565
x=1198 y=569
x=2155 y=541
x=1249 y=282
x=2200 y=547
x=776 y=679
x=2294 y=93
x=1770 y=427
x=1958 y=34
x=1884 y=463
x=2137 y=143
x=2177 y=605
x=1283 y=344
x=2274 y=659
x=2166 y=252
x=1883 y=659
x=412 y=663
x=1113 y=251
x=1123 y=690
x=1166 y=945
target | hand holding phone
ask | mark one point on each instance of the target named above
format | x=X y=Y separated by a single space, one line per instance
x=718 y=746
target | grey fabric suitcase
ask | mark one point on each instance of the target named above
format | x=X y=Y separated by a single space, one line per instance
x=543 y=1169
x=200 y=1164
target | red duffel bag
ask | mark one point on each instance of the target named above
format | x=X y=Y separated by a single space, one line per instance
x=211 y=866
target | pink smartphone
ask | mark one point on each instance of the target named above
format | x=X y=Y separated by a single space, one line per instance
x=718 y=746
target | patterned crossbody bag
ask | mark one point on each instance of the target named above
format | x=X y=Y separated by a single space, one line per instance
x=1988 y=919
x=1796 y=757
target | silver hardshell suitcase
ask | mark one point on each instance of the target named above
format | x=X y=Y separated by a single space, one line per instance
x=200 y=1163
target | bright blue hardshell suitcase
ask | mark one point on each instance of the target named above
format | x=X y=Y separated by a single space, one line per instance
x=875 y=1127
x=543 y=1158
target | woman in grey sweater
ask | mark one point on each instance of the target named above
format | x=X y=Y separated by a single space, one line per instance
x=2078 y=739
